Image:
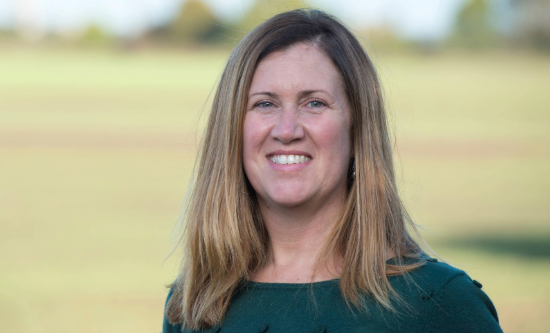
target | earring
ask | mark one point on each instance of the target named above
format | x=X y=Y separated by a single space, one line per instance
x=351 y=173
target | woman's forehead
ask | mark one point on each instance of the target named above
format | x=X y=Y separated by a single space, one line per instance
x=302 y=64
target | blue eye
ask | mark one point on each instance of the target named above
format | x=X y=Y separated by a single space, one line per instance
x=316 y=104
x=264 y=104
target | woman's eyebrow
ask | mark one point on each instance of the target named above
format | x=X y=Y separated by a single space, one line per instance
x=305 y=93
x=301 y=94
x=268 y=93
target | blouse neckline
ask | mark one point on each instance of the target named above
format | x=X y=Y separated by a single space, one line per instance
x=319 y=284
x=284 y=285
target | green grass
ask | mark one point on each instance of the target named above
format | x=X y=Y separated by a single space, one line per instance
x=96 y=149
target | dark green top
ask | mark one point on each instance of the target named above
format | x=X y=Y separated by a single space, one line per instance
x=440 y=298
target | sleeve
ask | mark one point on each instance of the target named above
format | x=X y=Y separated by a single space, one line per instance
x=167 y=327
x=461 y=306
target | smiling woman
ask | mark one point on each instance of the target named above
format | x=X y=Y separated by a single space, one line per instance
x=294 y=223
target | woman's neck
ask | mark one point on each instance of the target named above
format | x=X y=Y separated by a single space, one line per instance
x=297 y=237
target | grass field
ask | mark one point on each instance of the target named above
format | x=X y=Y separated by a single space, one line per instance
x=96 y=149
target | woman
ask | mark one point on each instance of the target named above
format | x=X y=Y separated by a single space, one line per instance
x=294 y=223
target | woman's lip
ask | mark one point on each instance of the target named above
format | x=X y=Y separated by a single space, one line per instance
x=289 y=152
x=288 y=167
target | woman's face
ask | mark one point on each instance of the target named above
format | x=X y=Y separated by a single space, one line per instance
x=297 y=146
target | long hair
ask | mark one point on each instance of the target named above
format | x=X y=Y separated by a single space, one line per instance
x=224 y=238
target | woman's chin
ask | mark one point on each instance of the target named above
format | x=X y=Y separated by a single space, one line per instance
x=288 y=200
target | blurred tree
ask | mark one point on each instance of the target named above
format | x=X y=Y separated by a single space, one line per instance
x=7 y=33
x=94 y=35
x=194 y=24
x=532 y=23
x=473 y=25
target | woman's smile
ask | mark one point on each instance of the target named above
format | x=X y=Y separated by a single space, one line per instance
x=289 y=159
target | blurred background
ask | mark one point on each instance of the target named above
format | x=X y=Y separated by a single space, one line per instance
x=102 y=104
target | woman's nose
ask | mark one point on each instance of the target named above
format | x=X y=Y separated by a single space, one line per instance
x=288 y=127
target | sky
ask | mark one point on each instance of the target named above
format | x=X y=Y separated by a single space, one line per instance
x=418 y=19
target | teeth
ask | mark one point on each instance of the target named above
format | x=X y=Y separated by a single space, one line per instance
x=289 y=159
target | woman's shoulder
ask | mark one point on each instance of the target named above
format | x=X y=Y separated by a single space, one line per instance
x=434 y=277
x=434 y=274
x=452 y=301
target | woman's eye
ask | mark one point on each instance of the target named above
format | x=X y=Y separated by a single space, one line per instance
x=264 y=104
x=315 y=104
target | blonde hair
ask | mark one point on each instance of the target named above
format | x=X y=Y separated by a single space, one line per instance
x=224 y=237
